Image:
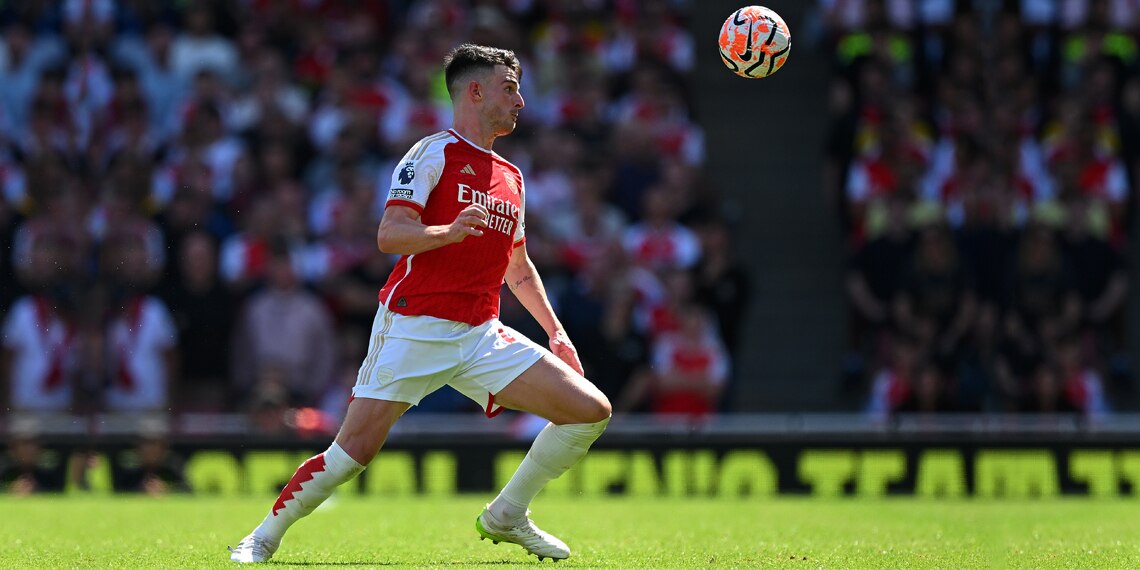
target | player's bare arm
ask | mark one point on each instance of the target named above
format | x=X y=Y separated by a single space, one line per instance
x=523 y=280
x=402 y=232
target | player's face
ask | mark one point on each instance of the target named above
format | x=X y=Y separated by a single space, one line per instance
x=503 y=100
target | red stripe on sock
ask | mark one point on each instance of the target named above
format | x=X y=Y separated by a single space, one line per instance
x=305 y=473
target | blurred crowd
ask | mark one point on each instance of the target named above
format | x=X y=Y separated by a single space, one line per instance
x=191 y=190
x=982 y=161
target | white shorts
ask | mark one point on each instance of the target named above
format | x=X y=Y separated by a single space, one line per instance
x=410 y=357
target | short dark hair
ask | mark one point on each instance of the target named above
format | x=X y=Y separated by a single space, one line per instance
x=472 y=57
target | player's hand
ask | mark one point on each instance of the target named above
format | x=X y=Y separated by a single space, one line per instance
x=561 y=346
x=468 y=222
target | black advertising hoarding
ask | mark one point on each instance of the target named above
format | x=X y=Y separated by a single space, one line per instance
x=739 y=457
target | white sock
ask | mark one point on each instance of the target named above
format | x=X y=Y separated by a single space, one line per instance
x=554 y=451
x=313 y=482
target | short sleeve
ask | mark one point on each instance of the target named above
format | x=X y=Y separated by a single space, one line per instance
x=418 y=172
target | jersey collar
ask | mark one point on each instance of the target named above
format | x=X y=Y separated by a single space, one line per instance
x=464 y=139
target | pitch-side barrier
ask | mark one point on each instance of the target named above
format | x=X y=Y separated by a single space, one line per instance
x=728 y=456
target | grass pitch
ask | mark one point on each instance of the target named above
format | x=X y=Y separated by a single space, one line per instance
x=192 y=532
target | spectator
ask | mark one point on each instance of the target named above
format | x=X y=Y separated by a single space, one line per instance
x=141 y=339
x=354 y=291
x=206 y=139
x=1098 y=271
x=722 y=285
x=188 y=207
x=245 y=255
x=890 y=166
x=203 y=310
x=200 y=47
x=689 y=369
x=37 y=359
x=878 y=270
x=346 y=158
x=1045 y=306
x=548 y=187
x=25 y=58
x=26 y=466
x=270 y=91
x=287 y=325
x=1075 y=378
x=894 y=384
x=597 y=308
x=269 y=409
x=351 y=237
x=87 y=85
x=162 y=86
x=659 y=241
x=648 y=30
x=417 y=112
x=150 y=466
x=936 y=303
x=587 y=228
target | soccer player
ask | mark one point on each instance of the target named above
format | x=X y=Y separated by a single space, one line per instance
x=455 y=214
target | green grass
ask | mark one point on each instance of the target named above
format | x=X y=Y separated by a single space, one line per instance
x=139 y=532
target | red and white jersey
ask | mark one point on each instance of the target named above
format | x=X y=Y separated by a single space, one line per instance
x=243 y=256
x=1105 y=178
x=407 y=116
x=705 y=359
x=42 y=359
x=138 y=341
x=673 y=246
x=700 y=362
x=438 y=177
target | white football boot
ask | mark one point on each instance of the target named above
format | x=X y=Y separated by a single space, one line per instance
x=253 y=549
x=523 y=533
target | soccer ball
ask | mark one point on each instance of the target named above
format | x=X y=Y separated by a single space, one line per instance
x=754 y=42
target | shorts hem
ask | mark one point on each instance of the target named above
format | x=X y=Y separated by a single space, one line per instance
x=381 y=394
x=514 y=373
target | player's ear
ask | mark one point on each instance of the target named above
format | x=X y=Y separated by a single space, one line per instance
x=474 y=90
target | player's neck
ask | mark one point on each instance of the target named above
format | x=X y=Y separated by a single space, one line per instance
x=473 y=130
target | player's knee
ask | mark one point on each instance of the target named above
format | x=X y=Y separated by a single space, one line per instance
x=598 y=410
x=361 y=447
x=360 y=451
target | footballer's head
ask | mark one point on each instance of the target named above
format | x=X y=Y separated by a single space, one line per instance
x=487 y=80
x=470 y=61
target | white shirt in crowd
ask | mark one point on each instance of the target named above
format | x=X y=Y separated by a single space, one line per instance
x=138 y=342
x=42 y=359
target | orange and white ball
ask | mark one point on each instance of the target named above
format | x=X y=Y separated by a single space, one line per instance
x=754 y=42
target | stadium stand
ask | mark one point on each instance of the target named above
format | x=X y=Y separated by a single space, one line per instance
x=176 y=173
x=982 y=158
